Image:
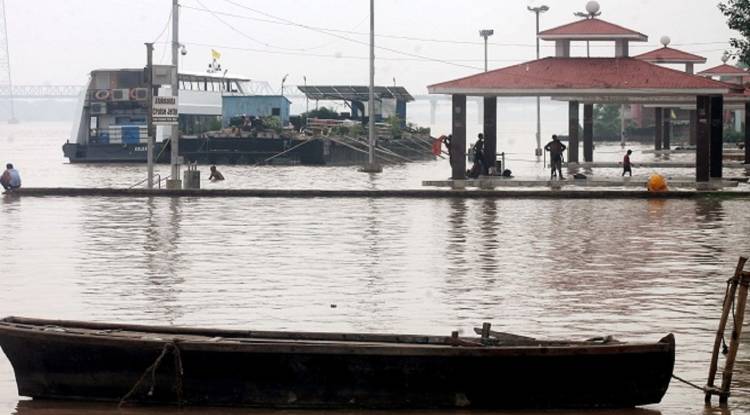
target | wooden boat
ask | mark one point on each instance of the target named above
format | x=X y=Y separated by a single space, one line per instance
x=192 y=366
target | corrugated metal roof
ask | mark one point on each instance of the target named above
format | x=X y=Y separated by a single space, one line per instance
x=354 y=93
x=565 y=76
x=670 y=55
x=592 y=29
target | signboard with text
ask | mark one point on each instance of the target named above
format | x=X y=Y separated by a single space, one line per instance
x=164 y=111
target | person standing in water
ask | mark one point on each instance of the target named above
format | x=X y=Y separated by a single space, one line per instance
x=626 y=166
x=556 y=149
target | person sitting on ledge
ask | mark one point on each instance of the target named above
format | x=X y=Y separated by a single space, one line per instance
x=215 y=175
x=10 y=179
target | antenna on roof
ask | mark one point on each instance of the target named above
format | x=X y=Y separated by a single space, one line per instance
x=665 y=40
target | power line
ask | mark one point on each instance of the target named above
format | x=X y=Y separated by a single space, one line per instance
x=241 y=33
x=421 y=39
x=413 y=55
x=352 y=32
x=333 y=56
x=166 y=25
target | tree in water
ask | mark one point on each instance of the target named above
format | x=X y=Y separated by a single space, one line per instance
x=738 y=18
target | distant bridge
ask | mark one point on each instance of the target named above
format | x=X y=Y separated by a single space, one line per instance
x=42 y=91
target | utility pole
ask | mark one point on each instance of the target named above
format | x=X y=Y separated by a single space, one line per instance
x=150 y=113
x=486 y=34
x=176 y=183
x=372 y=167
x=538 y=152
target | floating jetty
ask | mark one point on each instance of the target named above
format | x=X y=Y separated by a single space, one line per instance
x=554 y=193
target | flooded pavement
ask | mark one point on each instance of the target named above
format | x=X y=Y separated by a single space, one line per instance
x=574 y=269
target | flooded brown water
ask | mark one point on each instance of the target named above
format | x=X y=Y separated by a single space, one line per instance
x=574 y=269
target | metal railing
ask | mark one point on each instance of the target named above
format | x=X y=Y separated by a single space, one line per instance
x=158 y=181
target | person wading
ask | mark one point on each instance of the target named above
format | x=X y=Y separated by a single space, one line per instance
x=556 y=149
x=627 y=167
x=215 y=175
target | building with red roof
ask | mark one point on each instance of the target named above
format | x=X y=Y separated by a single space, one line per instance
x=667 y=55
x=620 y=78
x=727 y=73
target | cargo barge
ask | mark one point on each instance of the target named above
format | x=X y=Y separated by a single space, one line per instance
x=112 y=127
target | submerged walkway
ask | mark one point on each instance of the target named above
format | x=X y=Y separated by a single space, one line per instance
x=647 y=165
x=637 y=183
x=378 y=194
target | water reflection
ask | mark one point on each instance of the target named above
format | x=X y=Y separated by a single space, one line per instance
x=548 y=268
x=455 y=248
x=490 y=231
x=130 y=249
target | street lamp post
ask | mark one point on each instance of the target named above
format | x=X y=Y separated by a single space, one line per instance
x=283 y=81
x=537 y=11
x=486 y=34
x=307 y=99
x=372 y=166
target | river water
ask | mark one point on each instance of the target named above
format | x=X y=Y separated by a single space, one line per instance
x=635 y=269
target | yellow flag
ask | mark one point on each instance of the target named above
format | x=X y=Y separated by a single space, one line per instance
x=215 y=54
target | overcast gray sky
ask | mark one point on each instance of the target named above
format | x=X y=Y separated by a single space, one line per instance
x=59 y=42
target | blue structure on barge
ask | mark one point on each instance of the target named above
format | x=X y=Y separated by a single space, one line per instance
x=255 y=105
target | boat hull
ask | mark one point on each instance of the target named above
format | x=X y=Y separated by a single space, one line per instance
x=243 y=151
x=57 y=363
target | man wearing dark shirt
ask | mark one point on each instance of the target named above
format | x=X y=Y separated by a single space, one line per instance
x=556 y=149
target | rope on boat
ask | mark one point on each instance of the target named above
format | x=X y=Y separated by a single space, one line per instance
x=700 y=388
x=151 y=370
x=285 y=151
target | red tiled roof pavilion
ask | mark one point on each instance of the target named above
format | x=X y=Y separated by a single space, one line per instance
x=592 y=29
x=724 y=70
x=670 y=56
x=578 y=78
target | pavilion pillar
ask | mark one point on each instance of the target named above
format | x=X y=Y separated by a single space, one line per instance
x=692 y=127
x=573 y=132
x=490 y=131
x=717 y=136
x=747 y=133
x=702 y=138
x=667 y=132
x=588 y=132
x=458 y=141
x=658 y=127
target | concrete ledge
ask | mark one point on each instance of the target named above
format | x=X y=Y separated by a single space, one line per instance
x=376 y=194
